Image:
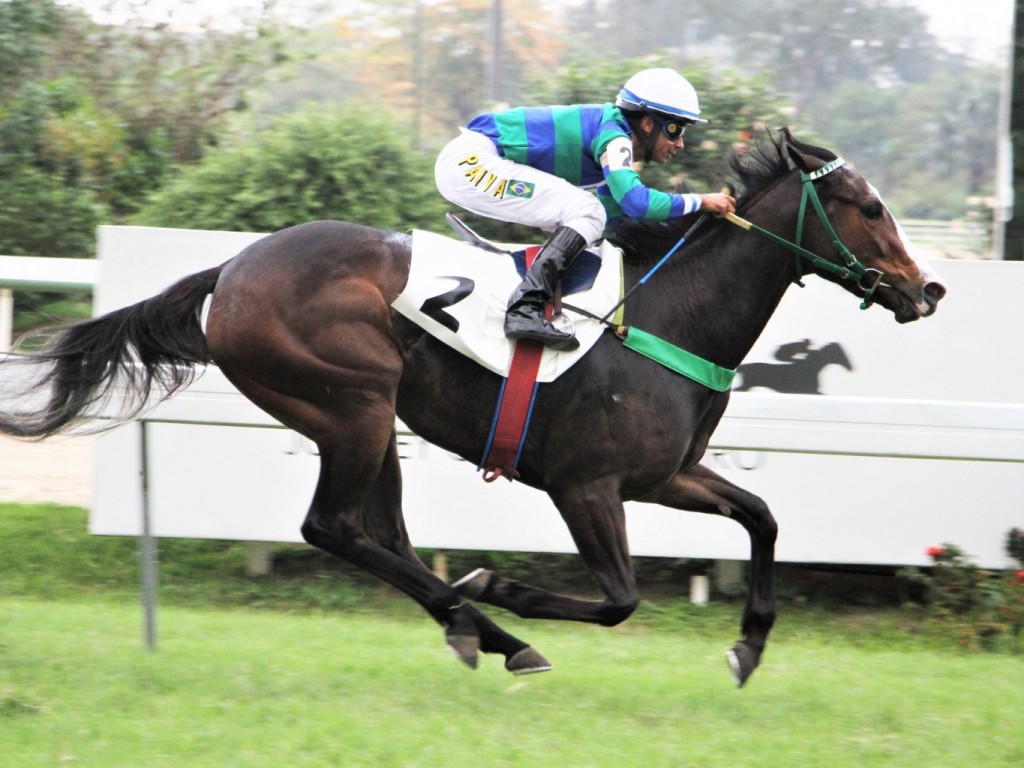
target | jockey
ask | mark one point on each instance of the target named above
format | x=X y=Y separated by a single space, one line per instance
x=536 y=165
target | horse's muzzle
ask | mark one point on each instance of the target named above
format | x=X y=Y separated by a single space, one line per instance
x=933 y=293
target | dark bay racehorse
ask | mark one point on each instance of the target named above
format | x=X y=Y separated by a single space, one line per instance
x=301 y=322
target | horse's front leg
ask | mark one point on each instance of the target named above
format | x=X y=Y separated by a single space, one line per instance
x=596 y=520
x=698 y=489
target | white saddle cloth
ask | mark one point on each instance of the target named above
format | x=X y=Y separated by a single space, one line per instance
x=465 y=291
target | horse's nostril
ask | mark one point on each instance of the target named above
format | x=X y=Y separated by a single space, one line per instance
x=933 y=292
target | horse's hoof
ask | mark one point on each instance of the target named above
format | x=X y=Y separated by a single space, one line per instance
x=474 y=584
x=743 y=660
x=527 y=662
x=466 y=648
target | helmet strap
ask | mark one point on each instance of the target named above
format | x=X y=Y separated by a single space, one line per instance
x=649 y=139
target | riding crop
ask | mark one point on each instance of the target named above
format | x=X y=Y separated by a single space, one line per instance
x=643 y=280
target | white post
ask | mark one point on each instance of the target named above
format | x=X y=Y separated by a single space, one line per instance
x=699 y=589
x=440 y=565
x=259 y=558
x=6 y=319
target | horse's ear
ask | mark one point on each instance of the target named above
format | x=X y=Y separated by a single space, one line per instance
x=800 y=155
x=796 y=158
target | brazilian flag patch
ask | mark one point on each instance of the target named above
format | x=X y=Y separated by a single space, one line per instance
x=518 y=188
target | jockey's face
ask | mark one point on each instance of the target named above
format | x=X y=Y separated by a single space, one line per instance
x=664 y=147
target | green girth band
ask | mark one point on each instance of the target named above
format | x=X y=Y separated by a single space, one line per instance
x=676 y=359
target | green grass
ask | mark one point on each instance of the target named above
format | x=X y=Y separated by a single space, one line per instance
x=276 y=672
x=258 y=688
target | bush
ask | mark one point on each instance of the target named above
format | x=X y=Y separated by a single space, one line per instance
x=980 y=608
x=316 y=164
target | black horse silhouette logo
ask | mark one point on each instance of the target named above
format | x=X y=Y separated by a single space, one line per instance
x=798 y=372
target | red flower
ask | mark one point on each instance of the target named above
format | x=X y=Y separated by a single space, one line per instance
x=1020 y=576
x=934 y=551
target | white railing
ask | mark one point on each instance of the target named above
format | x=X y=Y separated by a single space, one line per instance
x=39 y=273
x=449 y=507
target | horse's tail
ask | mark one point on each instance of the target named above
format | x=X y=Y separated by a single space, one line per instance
x=149 y=348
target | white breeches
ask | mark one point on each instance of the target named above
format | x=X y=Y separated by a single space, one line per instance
x=471 y=174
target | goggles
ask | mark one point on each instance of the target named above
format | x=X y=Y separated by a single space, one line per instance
x=673 y=128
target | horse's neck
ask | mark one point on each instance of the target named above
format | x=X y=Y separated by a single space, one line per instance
x=715 y=299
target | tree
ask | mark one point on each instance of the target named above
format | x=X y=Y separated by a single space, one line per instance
x=812 y=45
x=107 y=109
x=865 y=76
x=169 y=89
x=93 y=116
x=26 y=26
x=809 y=45
x=426 y=61
x=926 y=146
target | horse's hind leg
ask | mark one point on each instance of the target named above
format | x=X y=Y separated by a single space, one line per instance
x=698 y=489
x=363 y=523
x=356 y=511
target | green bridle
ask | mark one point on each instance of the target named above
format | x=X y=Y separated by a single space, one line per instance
x=867 y=279
x=710 y=374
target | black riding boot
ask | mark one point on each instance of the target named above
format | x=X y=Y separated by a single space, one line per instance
x=524 y=318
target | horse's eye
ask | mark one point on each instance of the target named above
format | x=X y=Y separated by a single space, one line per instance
x=873 y=210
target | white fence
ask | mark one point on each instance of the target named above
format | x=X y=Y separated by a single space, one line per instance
x=851 y=480
x=941 y=394
x=39 y=274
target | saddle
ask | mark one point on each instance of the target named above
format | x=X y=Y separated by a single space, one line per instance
x=578 y=277
x=458 y=291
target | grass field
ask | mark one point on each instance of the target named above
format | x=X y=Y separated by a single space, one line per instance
x=314 y=671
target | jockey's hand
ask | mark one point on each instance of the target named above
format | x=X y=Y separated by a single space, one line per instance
x=718 y=203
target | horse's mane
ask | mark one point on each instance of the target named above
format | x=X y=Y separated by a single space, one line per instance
x=753 y=170
x=758 y=167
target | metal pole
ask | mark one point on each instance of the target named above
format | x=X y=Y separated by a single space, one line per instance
x=494 y=85
x=418 y=65
x=1013 y=227
x=147 y=549
x=6 y=319
x=1004 y=203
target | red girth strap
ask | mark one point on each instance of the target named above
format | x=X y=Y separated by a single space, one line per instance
x=515 y=403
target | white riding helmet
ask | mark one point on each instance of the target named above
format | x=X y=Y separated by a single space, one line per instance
x=663 y=91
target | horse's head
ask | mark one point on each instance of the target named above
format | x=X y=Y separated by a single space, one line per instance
x=890 y=273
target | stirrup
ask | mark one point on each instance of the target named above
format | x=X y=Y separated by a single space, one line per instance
x=546 y=332
x=562 y=322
